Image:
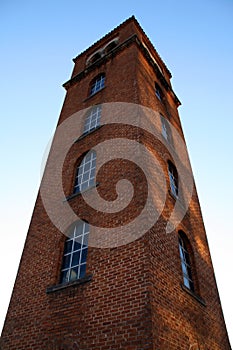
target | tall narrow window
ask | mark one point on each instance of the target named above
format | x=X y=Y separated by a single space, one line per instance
x=85 y=176
x=158 y=92
x=173 y=177
x=185 y=263
x=164 y=127
x=75 y=253
x=97 y=84
x=92 y=120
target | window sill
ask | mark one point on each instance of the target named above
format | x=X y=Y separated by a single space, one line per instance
x=79 y=193
x=174 y=197
x=159 y=98
x=179 y=202
x=62 y=286
x=88 y=133
x=194 y=295
x=89 y=97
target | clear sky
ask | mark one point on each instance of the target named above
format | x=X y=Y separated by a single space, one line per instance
x=38 y=41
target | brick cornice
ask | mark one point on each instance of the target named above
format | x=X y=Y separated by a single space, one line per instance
x=132 y=39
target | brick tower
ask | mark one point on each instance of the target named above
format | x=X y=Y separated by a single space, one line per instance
x=76 y=289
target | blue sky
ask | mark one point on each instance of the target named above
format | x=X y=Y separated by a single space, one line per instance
x=39 y=40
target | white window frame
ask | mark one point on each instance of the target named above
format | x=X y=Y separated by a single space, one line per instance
x=173 y=178
x=98 y=84
x=75 y=253
x=85 y=176
x=92 y=120
x=185 y=265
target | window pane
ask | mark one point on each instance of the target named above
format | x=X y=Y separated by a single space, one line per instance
x=85 y=177
x=68 y=246
x=84 y=185
x=64 y=276
x=85 y=240
x=184 y=268
x=79 y=230
x=80 y=169
x=82 y=270
x=75 y=258
x=91 y=182
x=87 y=166
x=86 y=227
x=87 y=158
x=186 y=282
x=74 y=273
x=84 y=256
x=66 y=261
x=77 y=244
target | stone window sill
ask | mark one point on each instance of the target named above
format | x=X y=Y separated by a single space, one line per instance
x=193 y=294
x=89 y=97
x=62 y=286
x=79 y=193
x=88 y=133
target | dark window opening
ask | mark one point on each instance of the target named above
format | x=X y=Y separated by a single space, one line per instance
x=173 y=178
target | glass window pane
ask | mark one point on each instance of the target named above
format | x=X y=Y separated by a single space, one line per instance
x=184 y=269
x=93 y=163
x=85 y=177
x=85 y=240
x=79 y=230
x=80 y=169
x=86 y=227
x=74 y=273
x=77 y=189
x=87 y=166
x=186 y=282
x=87 y=157
x=92 y=173
x=75 y=258
x=68 y=246
x=77 y=244
x=66 y=261
x=84 y=256
x=82 y=271
x=64 y=276
x=91 y=182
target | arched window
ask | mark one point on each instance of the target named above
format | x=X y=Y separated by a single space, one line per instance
x=85 y=176
x=173 y=178
x=92 y=120
x=97 y=84
x=185 y=261
x=75 y=253
x=111 y=45
x=94 y=57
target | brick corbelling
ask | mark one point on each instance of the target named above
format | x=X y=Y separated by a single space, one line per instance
x=100 y=62
x=115 y=32
x=132 y=39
